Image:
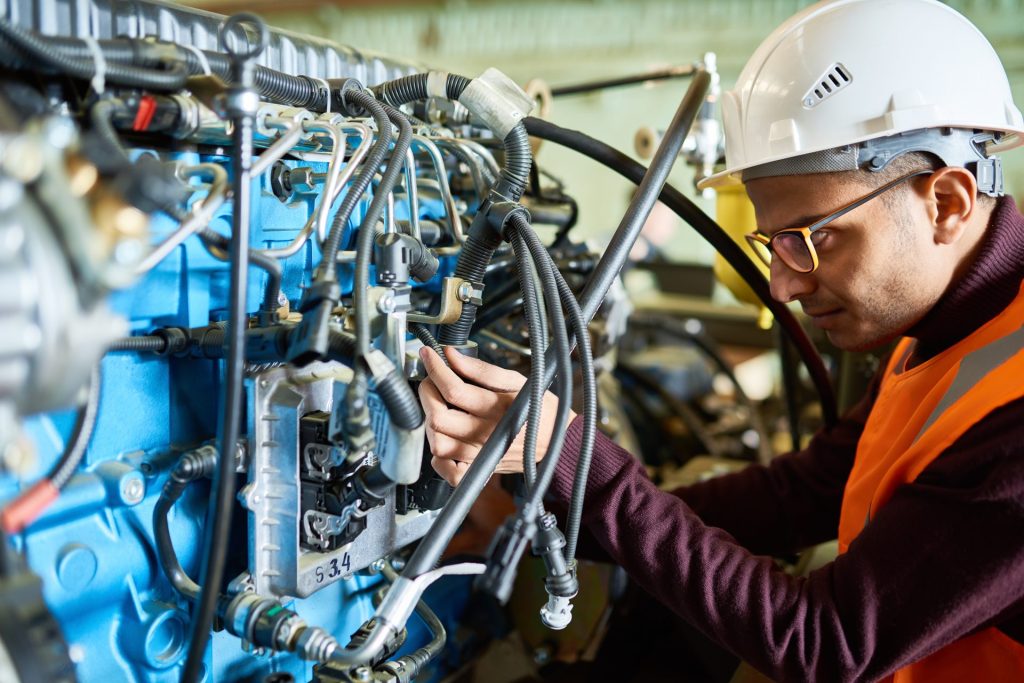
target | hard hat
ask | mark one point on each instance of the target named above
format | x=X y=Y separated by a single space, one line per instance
x=843 y=72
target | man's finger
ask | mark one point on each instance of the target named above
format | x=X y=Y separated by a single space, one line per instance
x=451 y=471
x=472 y=399
x=449 y=421
x=484 y=374
x=444 y=446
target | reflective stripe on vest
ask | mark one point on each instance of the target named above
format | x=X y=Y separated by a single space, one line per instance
x=918 y=414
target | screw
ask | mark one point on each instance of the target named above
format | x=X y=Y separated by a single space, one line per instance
x=465 y=292
x=134 y=491
x=377 y=566
x=386 y=304
x=362 y=674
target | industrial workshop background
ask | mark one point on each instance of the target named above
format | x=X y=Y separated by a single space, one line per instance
x=572 y=42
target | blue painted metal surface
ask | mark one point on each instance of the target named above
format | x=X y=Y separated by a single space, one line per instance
x=94 y=547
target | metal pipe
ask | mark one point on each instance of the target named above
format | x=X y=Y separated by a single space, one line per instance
x=199 y=217
x=412 y=193
x=346 y=175
x=282 y=145
x=451 y=210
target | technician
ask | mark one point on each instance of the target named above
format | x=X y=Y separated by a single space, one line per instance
x=864 y=131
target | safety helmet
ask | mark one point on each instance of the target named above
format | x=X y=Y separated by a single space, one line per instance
x=843 y=72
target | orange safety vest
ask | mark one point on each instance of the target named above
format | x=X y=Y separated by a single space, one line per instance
x=919 y=413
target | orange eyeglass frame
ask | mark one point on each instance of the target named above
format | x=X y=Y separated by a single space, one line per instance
x=757 y=238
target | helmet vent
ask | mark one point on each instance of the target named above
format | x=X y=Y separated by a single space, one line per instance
x=835 y=78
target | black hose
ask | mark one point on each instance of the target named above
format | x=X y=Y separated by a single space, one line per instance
x=143 y=344
x=217 y=244
x=471 y=266
x=41 y=52
x=423 y=334
x=193 y=465
x=710 y=231
x=328 y=266
x=400 y=400
x=448 y=521
x=538 y=343
x=81 y=433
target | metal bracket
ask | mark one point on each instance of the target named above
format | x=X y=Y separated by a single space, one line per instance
x=453 y=294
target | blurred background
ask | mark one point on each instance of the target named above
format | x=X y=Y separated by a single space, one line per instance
x=564 y=43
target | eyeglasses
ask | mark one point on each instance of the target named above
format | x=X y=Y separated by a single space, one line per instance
x=795 y=246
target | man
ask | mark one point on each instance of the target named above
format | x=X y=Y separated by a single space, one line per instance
x=862 y=130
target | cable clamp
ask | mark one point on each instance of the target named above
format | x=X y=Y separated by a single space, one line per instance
x=497 y=100
x=499 y=213
x=99 y=79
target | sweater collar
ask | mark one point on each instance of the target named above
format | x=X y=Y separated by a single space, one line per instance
x=988 y=286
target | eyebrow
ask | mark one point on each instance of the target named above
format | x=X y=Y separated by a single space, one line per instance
x=801 y=222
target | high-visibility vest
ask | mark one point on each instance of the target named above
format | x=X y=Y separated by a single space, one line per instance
x=919 y=413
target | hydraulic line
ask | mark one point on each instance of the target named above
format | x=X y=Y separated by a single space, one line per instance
x=218 y=528
x=192 y=466
x=27 y=507
x=710 y=231
x=448 y=521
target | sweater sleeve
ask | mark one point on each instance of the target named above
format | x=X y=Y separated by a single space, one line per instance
x=790 y=504
x=944 y=557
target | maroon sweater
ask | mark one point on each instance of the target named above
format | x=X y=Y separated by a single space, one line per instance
x=942 y=559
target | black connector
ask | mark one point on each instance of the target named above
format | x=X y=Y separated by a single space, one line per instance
x=399 y=257
x=506 y=550
x=311 y=340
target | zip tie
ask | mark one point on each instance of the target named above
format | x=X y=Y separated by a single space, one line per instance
x=327 y=87
x=99 y=79
x=203 y=61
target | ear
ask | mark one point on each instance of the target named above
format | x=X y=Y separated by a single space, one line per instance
x=951 y=196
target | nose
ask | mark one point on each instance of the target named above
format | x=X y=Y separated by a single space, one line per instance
x=789 y=285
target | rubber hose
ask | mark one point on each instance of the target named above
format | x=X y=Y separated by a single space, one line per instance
x=191 y=466
x=341 y=346
x=538 y=342
x=715 y=236
x=400 y=400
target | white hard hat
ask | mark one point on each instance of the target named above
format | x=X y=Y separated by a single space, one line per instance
x=846 y=71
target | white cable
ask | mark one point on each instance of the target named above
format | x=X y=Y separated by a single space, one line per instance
x=203 y=61
x=99 y=79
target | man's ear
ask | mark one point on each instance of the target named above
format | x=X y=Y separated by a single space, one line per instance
x=951 y=196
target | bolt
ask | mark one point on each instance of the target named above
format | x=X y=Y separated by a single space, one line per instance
x=377 y=566
x=362 y=674
x=386 y=304
x=134 y=491
x=397 y=563
x=465 y=292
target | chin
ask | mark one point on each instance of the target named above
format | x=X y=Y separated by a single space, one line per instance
x=858 y=342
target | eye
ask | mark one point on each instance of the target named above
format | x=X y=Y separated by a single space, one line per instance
x=819 y=237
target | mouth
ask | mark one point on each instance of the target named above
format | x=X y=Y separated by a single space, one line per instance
x=823 y=317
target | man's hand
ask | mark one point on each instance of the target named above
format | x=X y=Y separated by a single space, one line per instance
x=462 y=405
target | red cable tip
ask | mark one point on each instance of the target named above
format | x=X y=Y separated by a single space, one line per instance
x=28 y=506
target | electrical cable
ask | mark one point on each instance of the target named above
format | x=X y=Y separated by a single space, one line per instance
x=429 y=551
x=31 y=503
x=710 y=231
x=538 y=343
x=420 y=331
x=43 y=52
